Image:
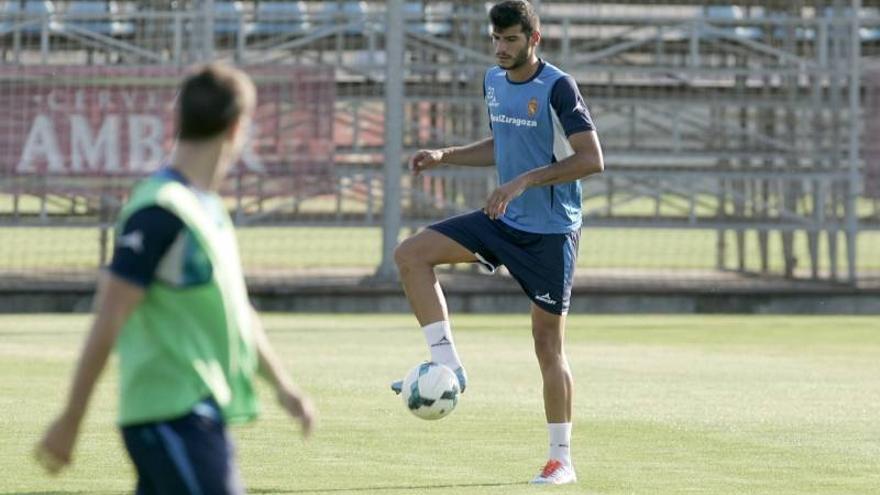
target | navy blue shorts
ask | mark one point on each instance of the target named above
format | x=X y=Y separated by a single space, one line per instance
x=190 y=455
x=543 y=264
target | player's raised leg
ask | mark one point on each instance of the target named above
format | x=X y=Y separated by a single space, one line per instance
x=548 y=331
x=416 y=258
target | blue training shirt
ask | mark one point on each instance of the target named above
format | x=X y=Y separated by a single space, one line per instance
x=531 y=122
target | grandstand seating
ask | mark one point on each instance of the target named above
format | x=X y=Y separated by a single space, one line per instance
x=33 y=14
x=355 y=13
x=281 y=18
x=424 y=20
x=229 y=18
x=97 y=16
x=733 y=13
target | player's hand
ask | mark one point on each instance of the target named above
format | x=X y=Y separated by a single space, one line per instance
x=299 y=407
x=54 y=450
x=501 y=197
x=424 y=160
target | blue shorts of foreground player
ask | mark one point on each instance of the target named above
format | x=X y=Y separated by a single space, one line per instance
x=543 y=264
x=190 y=455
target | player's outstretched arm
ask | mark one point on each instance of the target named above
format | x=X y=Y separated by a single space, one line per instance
x=586 y=160
x=114 y=302
x=297 y=404
x=478 y=154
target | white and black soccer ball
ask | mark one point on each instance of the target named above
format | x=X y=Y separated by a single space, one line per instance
x=430 y=390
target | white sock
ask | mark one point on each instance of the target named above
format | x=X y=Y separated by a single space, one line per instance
x=438 y=335
x=560 y=442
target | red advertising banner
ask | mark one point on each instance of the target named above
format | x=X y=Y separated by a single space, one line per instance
x=104 y=121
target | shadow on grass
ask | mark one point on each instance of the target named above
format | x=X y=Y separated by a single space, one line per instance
x=64 y=492
x=368 y=489
x=365 y=489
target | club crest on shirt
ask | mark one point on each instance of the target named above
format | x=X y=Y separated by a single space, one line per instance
x=533 y=107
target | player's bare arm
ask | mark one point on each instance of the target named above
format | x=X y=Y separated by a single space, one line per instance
x=289 y=396
x=586 y=160
x=115 y=300
x=478 y=154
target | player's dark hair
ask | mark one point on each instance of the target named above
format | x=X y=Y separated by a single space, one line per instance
x=512 y=12
x=211 y=100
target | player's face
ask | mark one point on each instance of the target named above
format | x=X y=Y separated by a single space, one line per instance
x=512 y=47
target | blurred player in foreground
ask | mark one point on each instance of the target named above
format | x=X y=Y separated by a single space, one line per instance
x=175 y=305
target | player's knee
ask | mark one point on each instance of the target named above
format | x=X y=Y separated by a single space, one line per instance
x=548 y=348
x=405 y=254
x=545 y=350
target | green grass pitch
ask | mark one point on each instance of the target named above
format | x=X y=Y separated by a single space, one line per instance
x=38 y=250
x=664 y=405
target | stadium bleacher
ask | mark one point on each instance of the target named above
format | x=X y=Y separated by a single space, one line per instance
x=98 y=17
x=425 y=19
x=229 y=18
x=351 y=13
x=29 y=18
x=281 y=18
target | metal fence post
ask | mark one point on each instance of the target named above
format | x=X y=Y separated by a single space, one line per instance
x=391 y=208
x=854 y=182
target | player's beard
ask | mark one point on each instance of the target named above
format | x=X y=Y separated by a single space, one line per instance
x=518 y=60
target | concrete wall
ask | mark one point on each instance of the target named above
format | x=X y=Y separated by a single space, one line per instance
x=391 y=300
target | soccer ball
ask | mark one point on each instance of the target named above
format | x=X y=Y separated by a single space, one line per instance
x=430 y=390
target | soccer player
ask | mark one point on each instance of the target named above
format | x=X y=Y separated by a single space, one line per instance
x=174 y=303
x=543 y=142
